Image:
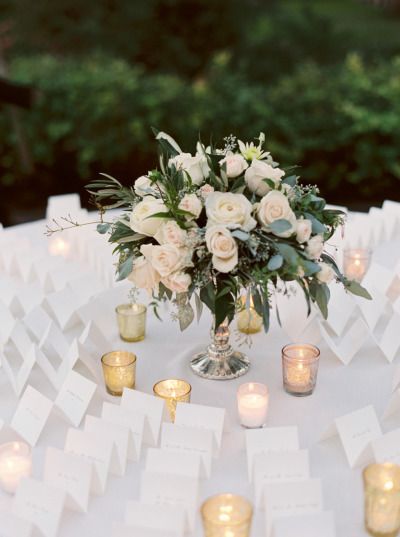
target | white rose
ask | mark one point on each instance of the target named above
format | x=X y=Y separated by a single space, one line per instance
x=223 y=247
x=170 y=232
x=315 y=247
x=143 y=274
x=326 y=274
x=275 y=206
x=141 y=221
x=206 y=190
x=178 y=282
x=197 y=167
x=235 y=165
x=166 y=258
x=257 y=172
x=303 y=230
x=230 y=210
x=191 y=204
x=144 y=187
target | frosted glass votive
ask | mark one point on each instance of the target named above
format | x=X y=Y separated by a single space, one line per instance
x=119 y=370
x=131 y=320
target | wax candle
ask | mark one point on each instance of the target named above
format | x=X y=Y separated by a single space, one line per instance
x=119 y=370
x=247 y=319
x=173 y=391
x=227 y=515
x=252 y=400
x=356 y=263
x=131 y=320
x=300 y=368
x=15 y=464
x=382 y=499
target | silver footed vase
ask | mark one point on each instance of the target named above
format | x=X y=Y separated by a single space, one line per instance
x=220 y=361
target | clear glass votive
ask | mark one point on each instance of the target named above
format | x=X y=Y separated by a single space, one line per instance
x=15 y=464
x=173 y=391
x=356 y=262
x=247 y=319
x=119 y=370
x=226 y=515
x=252 y=400
x=382 y=499
x=300 y=368
x=131 y=320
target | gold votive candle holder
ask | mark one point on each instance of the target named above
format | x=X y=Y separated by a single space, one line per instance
x=131 y=320
x=15 y=464
x=300 y=368
x=247 y=319
x=382 y=499
x=226 y=515
x=173 y=391
x=119 y=370
x=356 y=262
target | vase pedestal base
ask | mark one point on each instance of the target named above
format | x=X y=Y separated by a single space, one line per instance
x=211 y=365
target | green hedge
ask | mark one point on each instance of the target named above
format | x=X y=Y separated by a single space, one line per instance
x=341 y=124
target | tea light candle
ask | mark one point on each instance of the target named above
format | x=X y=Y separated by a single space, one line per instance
x=252 y=399
x=227 y=515
x=247 y=319
x=15 y=464
x=300 y=368
x=119 y=370
x=131 y=320
x=382 y=499
x=356 y=263
x=173 y=391
x=59 y=246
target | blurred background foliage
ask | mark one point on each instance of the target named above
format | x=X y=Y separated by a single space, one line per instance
x=320 y=78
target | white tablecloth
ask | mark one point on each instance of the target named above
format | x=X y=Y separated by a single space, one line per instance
x=166 y=352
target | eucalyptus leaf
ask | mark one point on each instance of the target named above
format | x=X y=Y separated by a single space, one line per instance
x=125 y=268
x=275 y=262
x=288 y=253
x=280 y=226
x=291 y=180
x=357 y=289
x=103 y=228
x=241 y=235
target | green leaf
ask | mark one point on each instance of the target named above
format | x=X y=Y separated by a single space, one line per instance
x=291 y=180
x=266 y=313
x=125 y=268
x=310 y=267
x=280 y=226
x=275 y=262
x=199 y=306
x=207 y=295
x=320 y=293
x=357 y=289
x=317 y=227
x=241 y=235
x=288 y=253
x=103 y=228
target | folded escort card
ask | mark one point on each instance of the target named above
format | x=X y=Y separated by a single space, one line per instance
x=7 y=322
x=386 y=448
x=160 y=519
x=31 y=415
x=164 y=461
x=310 y=525
x=74 y=397
x=14 y=526
x=134 y=421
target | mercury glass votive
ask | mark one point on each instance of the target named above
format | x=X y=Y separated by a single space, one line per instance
x=173 y=391
x=119 y=370
x=226 y=515
x=15 y=464
x=356 y=262
x=131 y=320
x=300 y=368
x=252 y=399
x=382 y=499
x=247 y=319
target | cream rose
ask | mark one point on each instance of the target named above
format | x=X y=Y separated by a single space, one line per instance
x=303 y=230
x=197 y=167
x=257 y=172
x=178 y=282
x=275 y=206
x=326 y=274
x=223 y=247
x=234 y=164
x=141 y=221
x=315 y=247
x=143 y=274
x=166 y=258
x=191 y=204
x=206 y=190
x=230 y=210
x=170 y=232
x=144 y=187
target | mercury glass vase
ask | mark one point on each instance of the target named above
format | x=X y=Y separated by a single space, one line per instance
x=220 y=361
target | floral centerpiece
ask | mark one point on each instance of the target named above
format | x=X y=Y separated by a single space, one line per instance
x=206 y=228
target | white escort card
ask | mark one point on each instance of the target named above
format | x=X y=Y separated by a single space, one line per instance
x=160 y=519
x=72 y=474
x=164 y=461
x=31 y=415
x=341 y=309
x=347 y=346
x=18 y=358
x=372 y=310
x=134 y=421
x=202 y=417
x=270 y=440
x=389 y=342
x=277 y=468
x=189 y=440
x=74 y=397
x=37 y=322
x=386 y=448
x=114 y=434
x=14 y=526
x=356 y=431
x=180 y=491
x=40 y=504
x=92 y=447
x=290 y=499
x=123 y=530
x=27 y=298
x=93 y=339
x=53 y=356
x=153 y=408
x=7 y=322
x=311 y=525
x=61 y=306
